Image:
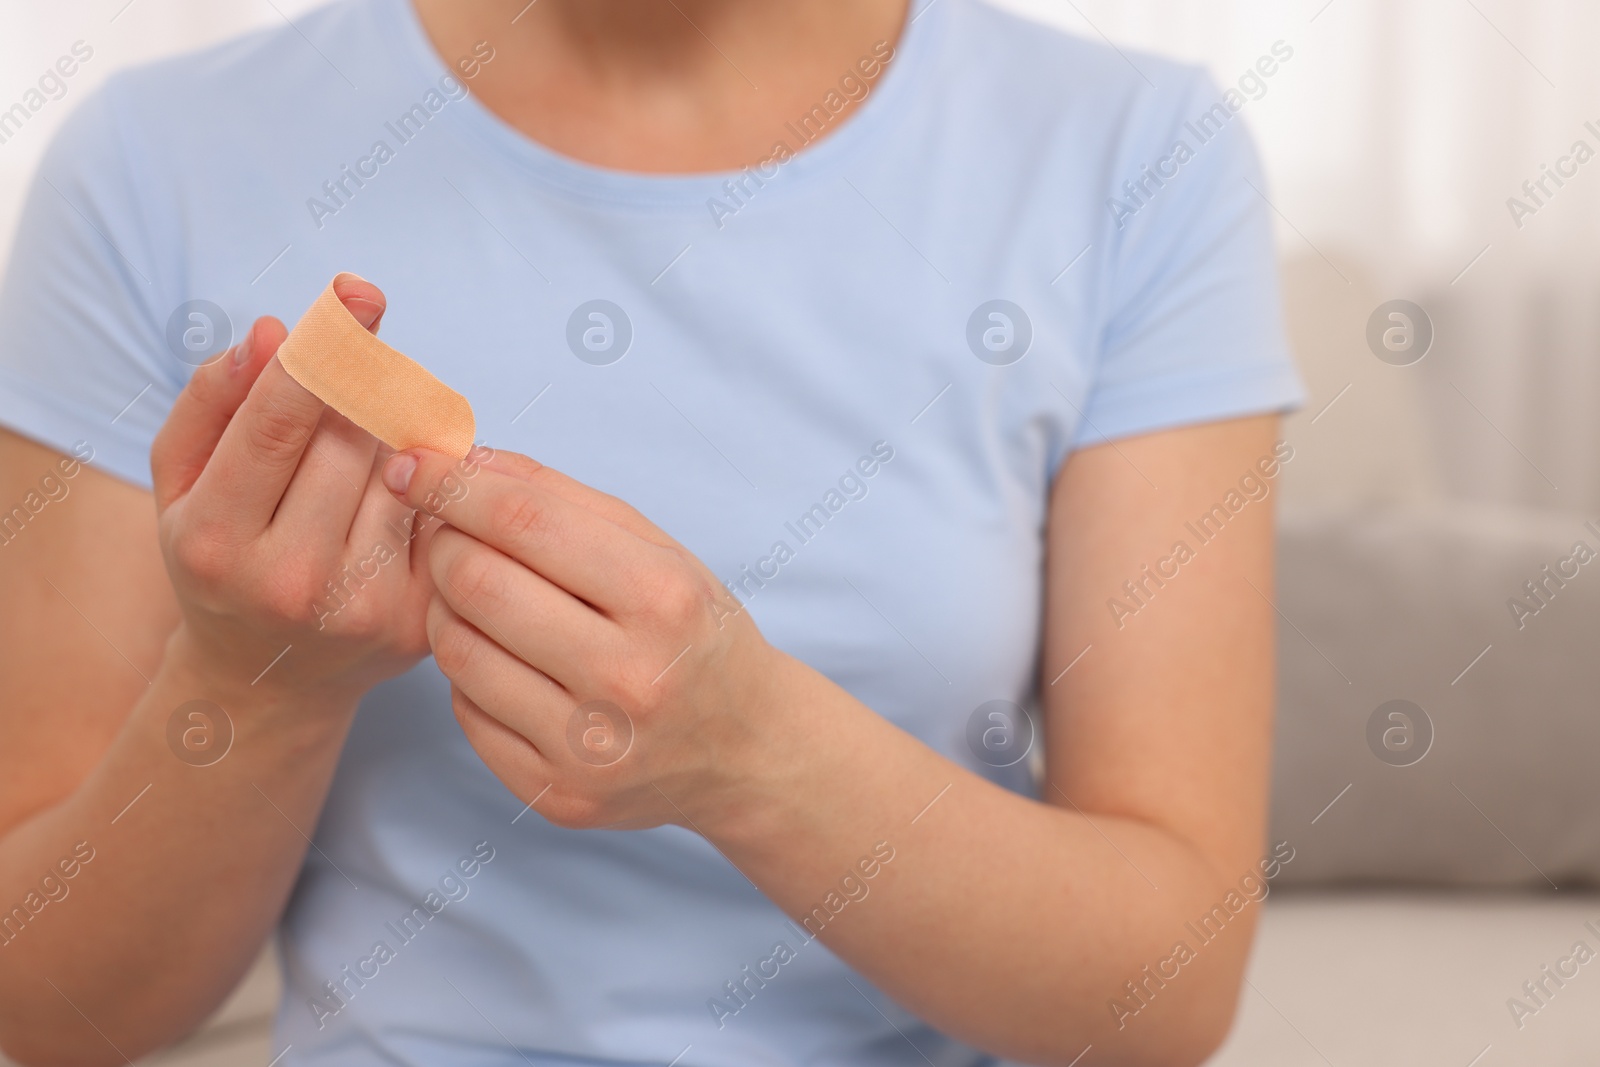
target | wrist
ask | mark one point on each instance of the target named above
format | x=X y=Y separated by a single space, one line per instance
x=791 y=721
x=188 y=668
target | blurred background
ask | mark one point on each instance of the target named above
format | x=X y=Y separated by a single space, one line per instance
x=1443 y=858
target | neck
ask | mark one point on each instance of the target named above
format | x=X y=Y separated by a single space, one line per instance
x=660 y=85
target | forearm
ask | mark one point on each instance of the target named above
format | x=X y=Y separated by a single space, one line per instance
x=190 y=869
x=1009 y=923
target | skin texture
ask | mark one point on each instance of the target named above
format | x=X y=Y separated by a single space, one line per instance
x=691 y=85
x=1006 y=921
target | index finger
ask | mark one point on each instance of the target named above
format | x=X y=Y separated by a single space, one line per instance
x=618 y=511
x=573 y=546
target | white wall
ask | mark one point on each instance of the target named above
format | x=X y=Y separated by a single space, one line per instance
x=34 y=34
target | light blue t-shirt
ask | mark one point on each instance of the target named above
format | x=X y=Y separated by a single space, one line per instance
x=845 y=379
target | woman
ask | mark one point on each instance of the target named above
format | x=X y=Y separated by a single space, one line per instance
x=885 y=377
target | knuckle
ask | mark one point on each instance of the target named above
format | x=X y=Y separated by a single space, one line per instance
x=206 y=386
x=357 y=613
x=290 y=590
x=624 y=513
x=203 y=555
x=525 y=467
x=518 y=517
x=674 y=596
x=635 y=687
x=463 y=707
x=684 y=603
x=454 y=644
x=272 y=432
x=472 y=574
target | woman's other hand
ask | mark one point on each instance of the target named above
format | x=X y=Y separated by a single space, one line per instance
x=598 y=668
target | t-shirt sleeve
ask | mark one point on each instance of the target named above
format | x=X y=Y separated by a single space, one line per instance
x=83 y=352
x=1193 y=328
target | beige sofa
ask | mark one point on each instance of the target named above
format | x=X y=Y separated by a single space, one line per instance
x=1421 y=900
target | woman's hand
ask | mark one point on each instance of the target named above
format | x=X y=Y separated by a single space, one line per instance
x=293 y=567
x=598 y=668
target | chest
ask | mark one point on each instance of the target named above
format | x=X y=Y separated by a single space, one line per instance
x=857 y=442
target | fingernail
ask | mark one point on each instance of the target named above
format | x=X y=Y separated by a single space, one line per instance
x=365 y=311
x=241 y=353
x=398 y=471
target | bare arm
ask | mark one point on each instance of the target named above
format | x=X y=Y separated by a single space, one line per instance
x=178 y=871
x=138 y=882
x=1016 y=924
x=1013 y=924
